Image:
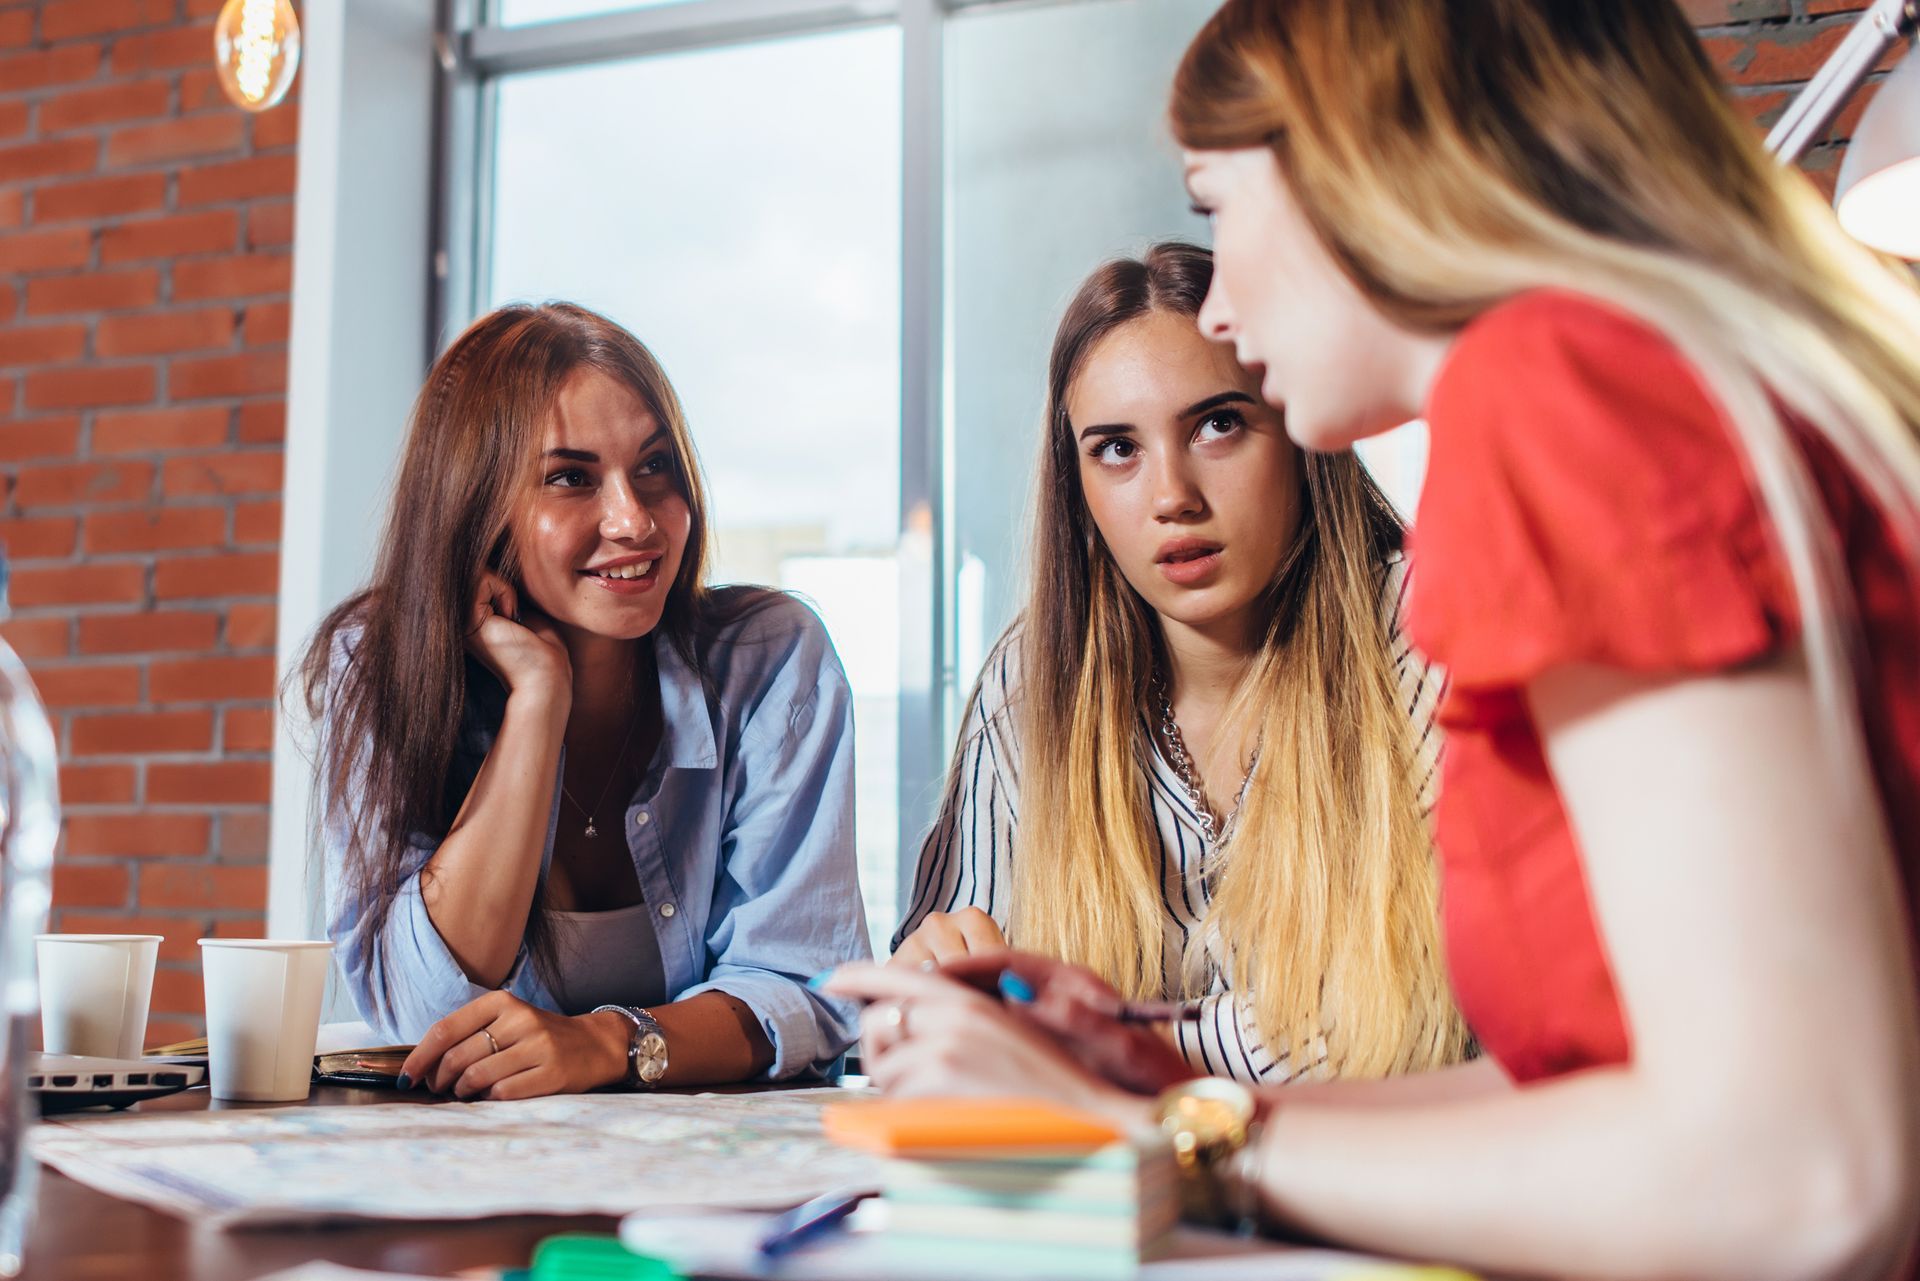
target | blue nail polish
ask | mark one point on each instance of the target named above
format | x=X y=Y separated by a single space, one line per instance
x=1016 y=989
x=403 y=1082
x=820 y=980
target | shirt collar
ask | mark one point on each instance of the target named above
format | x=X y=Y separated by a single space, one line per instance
x=686 y=724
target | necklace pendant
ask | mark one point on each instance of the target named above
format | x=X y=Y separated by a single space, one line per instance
x=591 y=829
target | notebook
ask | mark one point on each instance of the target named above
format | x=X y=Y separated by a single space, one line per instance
x=377 y=1066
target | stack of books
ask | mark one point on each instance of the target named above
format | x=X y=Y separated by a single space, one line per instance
x=1012 y=1188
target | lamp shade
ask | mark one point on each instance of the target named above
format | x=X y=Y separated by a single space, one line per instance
x=1878 y=195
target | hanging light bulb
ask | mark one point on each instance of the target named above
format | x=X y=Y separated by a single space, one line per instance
x=256 y=49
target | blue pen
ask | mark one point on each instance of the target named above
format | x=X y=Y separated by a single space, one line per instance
x=805 y=1222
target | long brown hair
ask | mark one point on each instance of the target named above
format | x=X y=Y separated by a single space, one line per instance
x=389 y=714
x=1450 y=155
x=1326 y=911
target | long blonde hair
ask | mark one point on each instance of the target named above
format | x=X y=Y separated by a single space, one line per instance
x=1326 y=910
x=1451 y=154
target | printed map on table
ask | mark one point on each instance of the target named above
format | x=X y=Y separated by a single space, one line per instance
x=574 y=1154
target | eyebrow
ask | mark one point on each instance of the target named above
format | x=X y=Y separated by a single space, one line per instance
x=588 y=456
x=1191 y=411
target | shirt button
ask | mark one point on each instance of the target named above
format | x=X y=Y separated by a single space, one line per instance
x=640 y=819
x=666 y=909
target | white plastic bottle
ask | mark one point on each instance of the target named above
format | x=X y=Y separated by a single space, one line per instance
x=29 y=830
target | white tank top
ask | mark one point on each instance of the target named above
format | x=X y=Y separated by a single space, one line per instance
x=606 y=958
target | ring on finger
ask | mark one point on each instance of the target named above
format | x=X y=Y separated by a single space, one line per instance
x=493 y=1046
x=896 y=1019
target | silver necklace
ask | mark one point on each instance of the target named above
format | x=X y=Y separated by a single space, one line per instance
x=618 y=761
x=1211 y=830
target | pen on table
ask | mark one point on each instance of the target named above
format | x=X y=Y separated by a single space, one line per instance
x=1018 y=991
x=805 y=1222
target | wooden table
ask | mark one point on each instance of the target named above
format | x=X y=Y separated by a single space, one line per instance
x=83 y=1235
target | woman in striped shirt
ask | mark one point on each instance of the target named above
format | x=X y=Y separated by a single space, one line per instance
x=1205 y=728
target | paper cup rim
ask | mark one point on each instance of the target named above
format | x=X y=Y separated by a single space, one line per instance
x=99 y=938
x=267 y=945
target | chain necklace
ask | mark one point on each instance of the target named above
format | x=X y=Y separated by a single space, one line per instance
x=1211 y=830
x=618 y=761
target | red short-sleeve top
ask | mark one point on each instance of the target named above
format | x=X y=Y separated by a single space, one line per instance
x=1586 y=502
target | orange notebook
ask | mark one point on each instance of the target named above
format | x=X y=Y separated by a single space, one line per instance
x=903 y=1127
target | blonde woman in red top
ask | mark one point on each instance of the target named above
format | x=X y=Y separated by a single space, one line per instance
x=1667 y=550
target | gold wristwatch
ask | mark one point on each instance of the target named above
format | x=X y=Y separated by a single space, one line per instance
x=1211 y=1122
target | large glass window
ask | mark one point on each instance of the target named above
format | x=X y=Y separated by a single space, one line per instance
x=693 y=199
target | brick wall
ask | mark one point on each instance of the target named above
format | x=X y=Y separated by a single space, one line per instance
x=145 y=229
x=145 y=236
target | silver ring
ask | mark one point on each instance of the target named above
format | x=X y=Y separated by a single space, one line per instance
x=896 y=1019
x=493 y=1046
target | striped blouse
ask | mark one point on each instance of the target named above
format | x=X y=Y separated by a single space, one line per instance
x=966 y=860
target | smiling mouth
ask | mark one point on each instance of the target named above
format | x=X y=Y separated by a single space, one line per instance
x=638 y=569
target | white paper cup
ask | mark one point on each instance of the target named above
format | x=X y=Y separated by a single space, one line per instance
x=263 y=1012
x=94 y=992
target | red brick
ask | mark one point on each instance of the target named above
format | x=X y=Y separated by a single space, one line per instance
x=238 y=276
x=199 y=233
x=148 y=632
x=41 y=344
x=1716 y=13
x=29 y=160
x=255 y=471
x=277 y=127
x=185 y=885
x=263 y=422
x=58 y=250
x=34 y=638
x=77 y=483
x=244 y=836
x=139 y=835
x=13 y=117
x=13 y=209
x=200 y=91
x=211 y=680
x=163 y=50
x=247 y=729
x=16 y=28
x=198 y=577
x=100 y=197
x=1781 y=54
x=69 y=64
x=44 y=538
x=181 y=139
x=250 y=626
x=90 y=885
x=141 y=733
x=70 y=687
x=85 y=108
x=94 y=291
x=165 y=529
x=65 y=19
x=270 y=226
x=98 y=785
x=164 y=333
x=248 y=179
x=250 y=374
x=40 y=438
x=92 y=385
x=78 y=585
x=180 y=936
x=267 y=323
x=256 y=523
x=178 y=991
x=209 y=783
x=142 y=431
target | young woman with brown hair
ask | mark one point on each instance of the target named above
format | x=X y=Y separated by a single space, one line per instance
x=1669 y=552
x=588 y=820
x=1196 y=764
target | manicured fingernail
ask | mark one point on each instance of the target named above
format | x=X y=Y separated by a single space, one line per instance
x=403 y=1082
x=1015 y=988
x=820 y=980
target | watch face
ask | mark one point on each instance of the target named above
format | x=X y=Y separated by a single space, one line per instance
x=652 y=1057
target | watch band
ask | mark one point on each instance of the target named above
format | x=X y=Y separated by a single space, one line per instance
x=1213 y=1125
x=646 y=1046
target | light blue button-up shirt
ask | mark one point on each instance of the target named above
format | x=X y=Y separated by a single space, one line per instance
x=741 y=833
